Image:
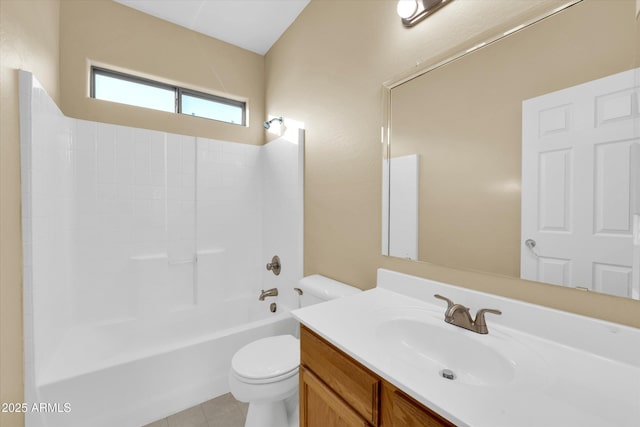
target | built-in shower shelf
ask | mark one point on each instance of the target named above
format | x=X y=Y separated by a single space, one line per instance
x=158 y=256
x=212 y=251
x=149 y=257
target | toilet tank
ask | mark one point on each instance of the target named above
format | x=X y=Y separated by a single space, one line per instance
x=317 y=288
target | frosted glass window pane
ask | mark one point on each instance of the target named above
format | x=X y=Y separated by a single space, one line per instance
x=210 y=109
x=127 y=92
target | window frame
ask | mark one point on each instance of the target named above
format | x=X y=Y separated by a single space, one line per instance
x=209 y=97
x=177 y=90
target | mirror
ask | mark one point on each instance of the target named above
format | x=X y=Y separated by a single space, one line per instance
x=522 y=158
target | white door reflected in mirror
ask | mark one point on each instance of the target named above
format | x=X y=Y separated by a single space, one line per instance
x=579 y=162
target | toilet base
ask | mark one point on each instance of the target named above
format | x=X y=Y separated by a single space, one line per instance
x=282 y=413
x=294 y=416
x=267 y=414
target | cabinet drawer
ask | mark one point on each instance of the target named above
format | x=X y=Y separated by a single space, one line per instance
x=409 y=413
x=347 y=378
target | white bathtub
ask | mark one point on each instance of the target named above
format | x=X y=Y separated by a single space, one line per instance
x=134 y=372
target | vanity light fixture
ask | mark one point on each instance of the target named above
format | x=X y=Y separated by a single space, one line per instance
x=414 y=11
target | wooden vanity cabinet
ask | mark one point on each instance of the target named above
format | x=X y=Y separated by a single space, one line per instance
x=335 y=390
x=330 y=375
x=322 y=407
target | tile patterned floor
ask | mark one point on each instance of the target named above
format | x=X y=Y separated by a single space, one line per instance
x=223 y=411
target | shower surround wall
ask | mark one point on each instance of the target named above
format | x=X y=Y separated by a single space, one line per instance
x=137 y=242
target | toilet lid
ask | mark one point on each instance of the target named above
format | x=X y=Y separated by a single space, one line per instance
x=267 y=357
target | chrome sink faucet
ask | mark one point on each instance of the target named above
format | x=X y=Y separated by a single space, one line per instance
x=273 y=292
x=458 y=315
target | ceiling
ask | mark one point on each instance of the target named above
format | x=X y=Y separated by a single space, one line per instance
x=254 y=25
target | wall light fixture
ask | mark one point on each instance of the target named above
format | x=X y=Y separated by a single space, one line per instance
x=414 y=11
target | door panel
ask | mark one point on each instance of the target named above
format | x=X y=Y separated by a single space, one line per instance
x=579 y=185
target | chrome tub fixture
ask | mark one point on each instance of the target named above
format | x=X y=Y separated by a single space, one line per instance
x=275 y=265
x=273 y=292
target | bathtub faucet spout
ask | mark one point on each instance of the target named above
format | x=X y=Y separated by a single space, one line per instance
x=273 y=292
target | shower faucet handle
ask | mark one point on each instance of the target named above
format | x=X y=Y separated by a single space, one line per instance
x=274 y=265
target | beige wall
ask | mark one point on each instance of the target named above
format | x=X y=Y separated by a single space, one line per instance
x=30 y=42
x=327 y=71
x=107 y=33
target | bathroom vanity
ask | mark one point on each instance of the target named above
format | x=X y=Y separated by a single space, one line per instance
x=386 y=357
x=336 y=390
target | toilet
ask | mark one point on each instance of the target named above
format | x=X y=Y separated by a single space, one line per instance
x=264 y=373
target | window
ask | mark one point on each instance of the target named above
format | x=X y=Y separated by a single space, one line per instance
x=127 y=89
x=203 y=105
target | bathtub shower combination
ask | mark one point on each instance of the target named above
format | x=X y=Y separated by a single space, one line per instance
x=144 y=256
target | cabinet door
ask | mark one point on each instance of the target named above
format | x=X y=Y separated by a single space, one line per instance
x=407 y=413
x=355 y=385
x=321 y=407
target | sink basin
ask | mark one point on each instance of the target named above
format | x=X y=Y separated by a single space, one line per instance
x=427 y=343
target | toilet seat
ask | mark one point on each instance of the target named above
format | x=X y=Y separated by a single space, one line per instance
x=267 y=360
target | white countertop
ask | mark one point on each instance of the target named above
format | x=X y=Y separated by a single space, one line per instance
x=559 y=384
